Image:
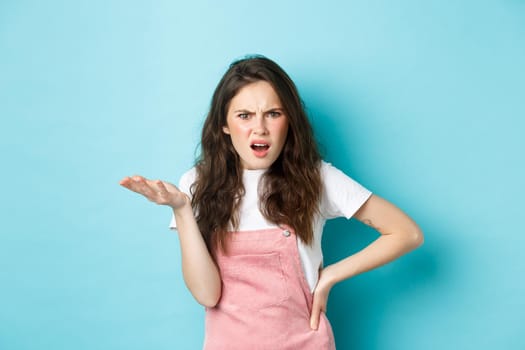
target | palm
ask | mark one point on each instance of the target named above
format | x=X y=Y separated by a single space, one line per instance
x=157 y=191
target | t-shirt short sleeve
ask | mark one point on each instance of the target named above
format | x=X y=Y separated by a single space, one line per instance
x=342 y=195
x=185 y=182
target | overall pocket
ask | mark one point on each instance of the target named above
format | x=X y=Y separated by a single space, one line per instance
x=253 y=281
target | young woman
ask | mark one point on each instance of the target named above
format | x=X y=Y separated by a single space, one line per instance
x=250 y=216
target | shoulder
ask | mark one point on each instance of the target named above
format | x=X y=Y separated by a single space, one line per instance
x=190 y=174
x=326 y=167
x=334 y=178
x=187 y=179
x=342 y=195
x=330 y=172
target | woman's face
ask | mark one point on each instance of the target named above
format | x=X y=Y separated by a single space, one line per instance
x=257 y=125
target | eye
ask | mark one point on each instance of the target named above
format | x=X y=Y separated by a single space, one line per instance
x=274 y=114
x=243 y=115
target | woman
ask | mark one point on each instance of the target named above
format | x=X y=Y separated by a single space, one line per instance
x=250 y=216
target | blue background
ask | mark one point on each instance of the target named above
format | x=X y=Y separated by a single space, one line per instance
x=421 y=102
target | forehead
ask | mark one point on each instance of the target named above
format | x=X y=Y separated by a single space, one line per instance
x=260 y=94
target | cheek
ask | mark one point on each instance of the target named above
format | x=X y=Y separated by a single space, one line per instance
x=239 y=130
x=283 y=128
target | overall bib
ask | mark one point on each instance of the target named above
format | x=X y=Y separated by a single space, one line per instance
x=266 y=302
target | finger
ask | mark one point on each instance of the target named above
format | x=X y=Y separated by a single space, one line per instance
x=161 y=191
x=130 y=184
x=314 y=318
x=168 y=188
x=317 y=308
x=171 y=195
x=160 y=185
x=125 y=181
x=141 y=186
x=138 y=178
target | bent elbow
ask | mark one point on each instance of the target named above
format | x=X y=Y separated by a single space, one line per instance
x=416 y=238
x=208 y=303
x=209 y=300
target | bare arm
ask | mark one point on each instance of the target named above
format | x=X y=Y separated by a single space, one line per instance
x=201 y=274
x=399 y=235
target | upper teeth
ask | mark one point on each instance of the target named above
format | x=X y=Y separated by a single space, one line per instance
x=259 y=144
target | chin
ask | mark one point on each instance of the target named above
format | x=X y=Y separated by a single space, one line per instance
x=257 y=165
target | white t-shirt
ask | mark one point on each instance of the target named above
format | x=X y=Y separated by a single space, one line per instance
x=341 y=197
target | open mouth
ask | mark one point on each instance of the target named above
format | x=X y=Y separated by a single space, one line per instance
x=260 y=147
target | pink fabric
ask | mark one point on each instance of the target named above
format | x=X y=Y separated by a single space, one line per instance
x=265 y=302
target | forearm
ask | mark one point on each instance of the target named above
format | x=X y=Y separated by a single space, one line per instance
x=200 y=272
x=383 y=250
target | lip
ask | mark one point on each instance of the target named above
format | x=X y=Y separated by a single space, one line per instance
x=253 y=142
x=262 y=152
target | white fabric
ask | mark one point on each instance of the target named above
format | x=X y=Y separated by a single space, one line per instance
x=342 y=197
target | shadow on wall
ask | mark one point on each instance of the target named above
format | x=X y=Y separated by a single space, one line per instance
x=363 y=308
x=359 y=307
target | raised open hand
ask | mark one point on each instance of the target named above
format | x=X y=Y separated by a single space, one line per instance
x=157 y=191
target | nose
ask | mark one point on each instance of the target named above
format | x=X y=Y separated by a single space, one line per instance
x=259 y=127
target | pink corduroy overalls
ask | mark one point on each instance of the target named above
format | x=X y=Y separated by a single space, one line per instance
x=265 y=302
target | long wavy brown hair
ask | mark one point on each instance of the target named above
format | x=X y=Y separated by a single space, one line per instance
x=290 y=189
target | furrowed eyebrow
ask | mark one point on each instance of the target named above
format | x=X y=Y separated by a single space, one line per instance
x=276 y=109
